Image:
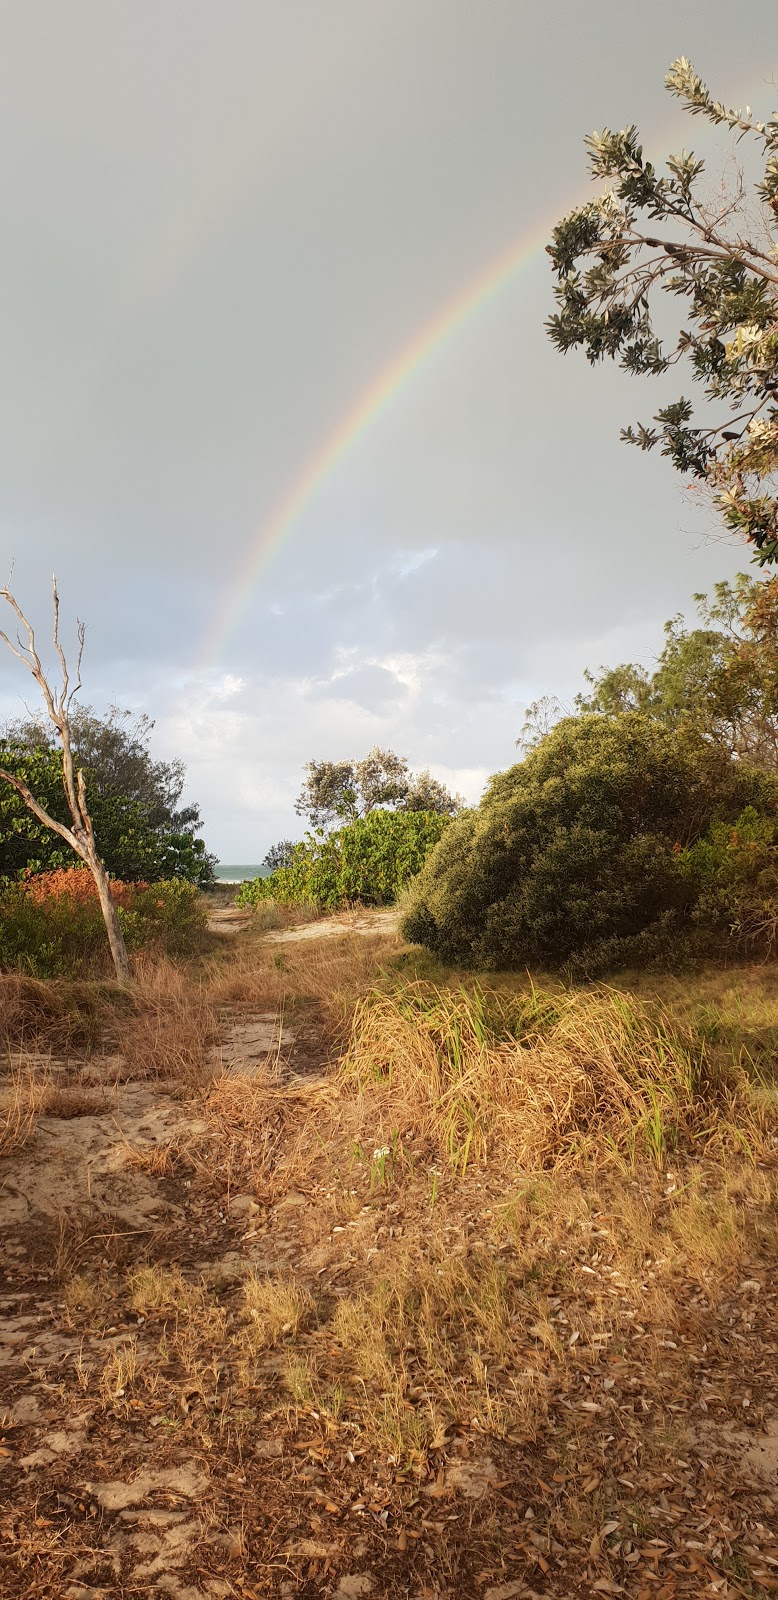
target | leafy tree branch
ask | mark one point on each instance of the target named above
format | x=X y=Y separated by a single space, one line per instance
x=652 y=233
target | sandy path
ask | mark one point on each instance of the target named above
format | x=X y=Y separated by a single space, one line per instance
x=359 y=922
x=231 y=920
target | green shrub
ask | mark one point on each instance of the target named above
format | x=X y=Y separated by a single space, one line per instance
x=63 y=935
x=582 y=855
x=168 y=916
x=57 y=938
x=734 y=873
x=369 y=861
x=133 y=842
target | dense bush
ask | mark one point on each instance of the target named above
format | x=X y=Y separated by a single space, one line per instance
x=51 y=925
x=604 y=846
x=133 y=840
x=369 y=861
x=734 y=873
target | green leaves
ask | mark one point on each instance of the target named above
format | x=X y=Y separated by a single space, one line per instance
x=612 y=262
x=370 y=861
x=572 y=858
x=133 y=840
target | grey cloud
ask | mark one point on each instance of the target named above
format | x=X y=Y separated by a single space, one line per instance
x=221 y=228
x=371 y=687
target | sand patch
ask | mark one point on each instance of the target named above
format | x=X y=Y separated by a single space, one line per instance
x=185 y=1479
x=78 y=1165
x=361 y=923
x=254 y=1043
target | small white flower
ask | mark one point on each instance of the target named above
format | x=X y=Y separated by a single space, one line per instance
x=385 y=1150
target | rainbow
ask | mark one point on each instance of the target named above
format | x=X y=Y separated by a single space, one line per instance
x=372 y=401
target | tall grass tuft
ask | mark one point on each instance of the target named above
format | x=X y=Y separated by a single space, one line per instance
x=548 y=1079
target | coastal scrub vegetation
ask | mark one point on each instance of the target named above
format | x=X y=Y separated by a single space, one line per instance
x=51 y=924
x=74 y=789
x=617 y=841
x=338 y=792
x=143 y=829
x=641 y=830
x=370 y=861
x=720 y=678
x=76 y=830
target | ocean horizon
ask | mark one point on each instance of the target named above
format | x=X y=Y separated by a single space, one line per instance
x=227 y=872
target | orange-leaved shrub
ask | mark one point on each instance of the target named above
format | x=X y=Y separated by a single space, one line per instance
x=77 y=885
x=51 y=924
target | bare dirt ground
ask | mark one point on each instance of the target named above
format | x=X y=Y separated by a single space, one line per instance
x=165 y=1425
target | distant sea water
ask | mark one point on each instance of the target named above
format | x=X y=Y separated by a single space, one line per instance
x=225 y=873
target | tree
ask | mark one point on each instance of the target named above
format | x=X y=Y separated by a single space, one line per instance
x=135 y=801
x=80 y=834
x=114 y=750
x=425 y=793
x=721 y=678
x=328 y=795
x=579 y=854
x=280 y=855
x=337 y=792
x=651 y=233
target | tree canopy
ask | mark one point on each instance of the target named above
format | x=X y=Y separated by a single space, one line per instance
x=720 y=678
x=337 y=792
x=370 y=860
x=653 y=232
x=280 y=854
x=142 y=830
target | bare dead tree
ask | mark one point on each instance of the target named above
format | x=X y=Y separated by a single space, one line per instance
x=80 y=835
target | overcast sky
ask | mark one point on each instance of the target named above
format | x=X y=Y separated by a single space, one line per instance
x=222 y=224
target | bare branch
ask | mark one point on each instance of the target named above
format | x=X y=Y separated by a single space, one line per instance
x=57 y=645
x=42 y=814
x=80 y=837
x=29 y=655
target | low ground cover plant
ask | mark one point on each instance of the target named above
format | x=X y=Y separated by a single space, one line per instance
x=617 y=841
x=51 y=925
x=370 y=861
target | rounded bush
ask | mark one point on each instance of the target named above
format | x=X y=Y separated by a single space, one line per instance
x=575 y=855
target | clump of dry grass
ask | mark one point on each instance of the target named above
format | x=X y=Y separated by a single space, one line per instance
x=21 y=1101
x=173 y=1027
x=29 y=1093
x=57 y=1016
x=68 y=1100
x=330 y=972
x=249 y=1122
x=274 y=1307
x=419 y=1348
x=550 y=1080
x=156 y=1160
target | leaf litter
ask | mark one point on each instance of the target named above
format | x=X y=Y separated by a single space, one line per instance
x=294 y=1376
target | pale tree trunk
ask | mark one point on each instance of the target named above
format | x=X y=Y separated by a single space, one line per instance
x=121 y=959
x=80 y=835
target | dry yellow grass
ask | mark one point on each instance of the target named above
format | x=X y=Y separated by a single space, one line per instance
x=173 y=1026
x=331 y=972
x=527 y=1227
x=21 y=1100
x=274 y=1307
x=551 y=1080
